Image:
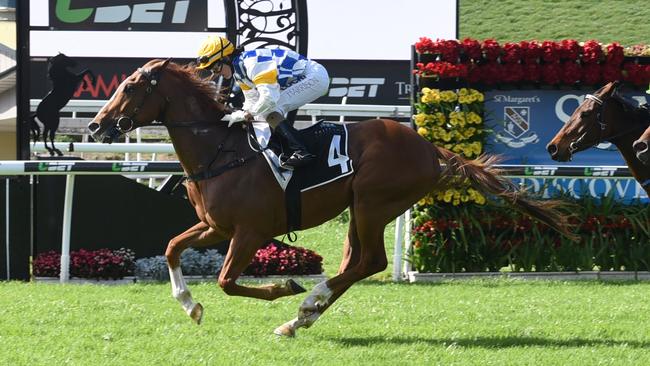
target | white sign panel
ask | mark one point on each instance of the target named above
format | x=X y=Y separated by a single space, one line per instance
x=376 y=29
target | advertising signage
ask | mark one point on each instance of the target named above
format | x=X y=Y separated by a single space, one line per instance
x=525 y=121
x=126 y=15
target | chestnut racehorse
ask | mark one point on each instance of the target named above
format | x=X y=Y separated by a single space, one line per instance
x=240 y=200
x=604 y=116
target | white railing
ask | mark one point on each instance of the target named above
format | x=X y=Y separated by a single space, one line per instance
x=402 y=232
x=75 y=106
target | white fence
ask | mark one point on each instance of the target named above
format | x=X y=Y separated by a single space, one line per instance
x=73 y=168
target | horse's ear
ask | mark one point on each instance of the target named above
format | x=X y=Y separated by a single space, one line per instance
x=165 y=63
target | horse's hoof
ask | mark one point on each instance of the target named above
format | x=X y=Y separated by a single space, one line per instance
x=295 y=287
x=285 y=331
x=197 y=313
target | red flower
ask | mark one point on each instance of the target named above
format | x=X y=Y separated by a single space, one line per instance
x=512 y=73
x=532 y=51
x=571 y=72
x=591 y=52
x=550 y=52
x=471 y=48
x=425 y=45
x=450 y=50
x=441 y=69
x=591 y=74
x=473 y=73
x=611 y=73
x=511 y=53
x=490 y=73
x=569 y=50
x=615 y=54
x=551 y=73
x=491 y=49
x=532 y=72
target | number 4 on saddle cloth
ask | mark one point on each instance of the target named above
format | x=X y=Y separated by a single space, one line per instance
x=328 y=141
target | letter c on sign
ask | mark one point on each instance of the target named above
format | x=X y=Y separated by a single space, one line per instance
x=559 y=106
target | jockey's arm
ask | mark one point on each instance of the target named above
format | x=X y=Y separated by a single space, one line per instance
x=265 y=77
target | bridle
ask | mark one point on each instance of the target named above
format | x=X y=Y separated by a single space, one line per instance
x=125 y=123
x=574 y=145
x=578 y=144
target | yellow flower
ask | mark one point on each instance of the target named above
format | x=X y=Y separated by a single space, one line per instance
x=423 y=132
x=420 y=119
x=430 y=96
x=448 y=96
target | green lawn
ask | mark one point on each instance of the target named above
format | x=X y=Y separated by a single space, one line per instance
x=623 y=21
x=495 y=322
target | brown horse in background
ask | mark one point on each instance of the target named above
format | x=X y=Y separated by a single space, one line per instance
x=604 y=116
x=241 y=201
x=641 y=146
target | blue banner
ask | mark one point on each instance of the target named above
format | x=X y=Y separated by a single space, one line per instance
x=525 y=121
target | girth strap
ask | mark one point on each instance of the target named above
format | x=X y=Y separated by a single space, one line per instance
x=207 y=174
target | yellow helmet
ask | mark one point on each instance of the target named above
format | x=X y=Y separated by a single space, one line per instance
x=213 y=49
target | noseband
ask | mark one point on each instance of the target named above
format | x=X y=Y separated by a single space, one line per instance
x=126 y=123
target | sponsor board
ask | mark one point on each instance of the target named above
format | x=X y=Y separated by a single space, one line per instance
x=525 y=121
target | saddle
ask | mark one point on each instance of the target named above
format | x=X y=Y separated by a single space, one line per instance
x=328 y=141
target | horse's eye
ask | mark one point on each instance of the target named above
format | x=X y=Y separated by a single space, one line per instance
x=584 y=114
x=129 y=89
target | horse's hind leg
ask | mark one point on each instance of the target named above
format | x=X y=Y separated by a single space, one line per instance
x=198 y=235
x=364 y=255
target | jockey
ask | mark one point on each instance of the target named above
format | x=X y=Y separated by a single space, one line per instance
x=274 y=81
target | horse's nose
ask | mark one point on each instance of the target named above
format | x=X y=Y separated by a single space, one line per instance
x=93 y=126
x=552 y=149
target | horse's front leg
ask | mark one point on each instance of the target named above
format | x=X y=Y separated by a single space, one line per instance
x=198 y=235
x=242 y=248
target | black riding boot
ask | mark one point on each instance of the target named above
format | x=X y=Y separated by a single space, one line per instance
x=299 y=154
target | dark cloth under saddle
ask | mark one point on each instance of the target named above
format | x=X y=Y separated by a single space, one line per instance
x=329 y=142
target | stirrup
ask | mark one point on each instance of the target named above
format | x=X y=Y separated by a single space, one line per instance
x=296 y=160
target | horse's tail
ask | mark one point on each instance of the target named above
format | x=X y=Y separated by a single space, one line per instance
x=34 y=128
x=487 y=179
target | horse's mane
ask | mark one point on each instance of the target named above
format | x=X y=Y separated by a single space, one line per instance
x=205 y=90
x=630 y=107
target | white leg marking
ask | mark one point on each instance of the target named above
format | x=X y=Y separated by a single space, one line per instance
x=180 y=291
x=318 y=297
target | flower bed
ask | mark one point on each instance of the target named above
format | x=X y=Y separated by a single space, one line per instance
x=104 y=264
x=274 y=259
x=470 y=238
x=563 y=63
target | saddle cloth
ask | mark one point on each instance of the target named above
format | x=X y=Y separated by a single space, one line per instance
x=328 y=141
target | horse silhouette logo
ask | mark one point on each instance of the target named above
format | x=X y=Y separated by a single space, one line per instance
x=64 y=84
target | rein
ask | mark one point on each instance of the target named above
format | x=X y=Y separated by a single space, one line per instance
x=126 y=124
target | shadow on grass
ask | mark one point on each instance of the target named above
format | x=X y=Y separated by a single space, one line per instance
x=489 y=342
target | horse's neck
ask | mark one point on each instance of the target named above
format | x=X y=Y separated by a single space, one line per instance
x=204 y=147
x=624 y=145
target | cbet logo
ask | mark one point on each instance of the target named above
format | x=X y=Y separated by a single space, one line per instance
x=540 y=171
x=55 y=167
x=600 y=172
x=355 y=87
x=151 y=12
x=128 y=167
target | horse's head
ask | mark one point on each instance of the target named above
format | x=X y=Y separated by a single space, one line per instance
x=589 y=125
x=63 y=61
x=137 y=102
x=641 y=147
